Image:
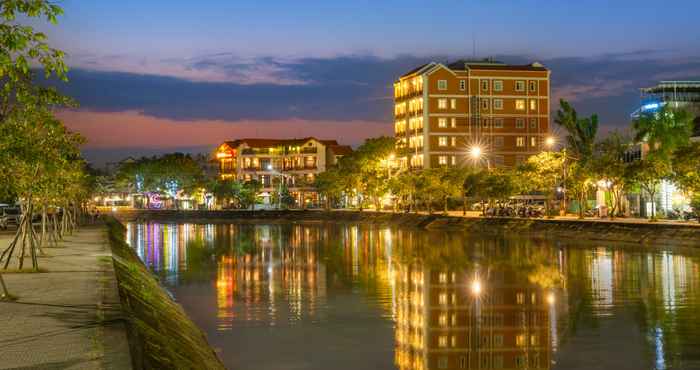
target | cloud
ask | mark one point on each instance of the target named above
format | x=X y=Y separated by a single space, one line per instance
x=133 y=129
x=258 y=92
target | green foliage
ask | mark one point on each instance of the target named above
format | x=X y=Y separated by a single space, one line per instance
x=647 y=174
x=169 y=174
x=665 y=130
x=609 y=164
x=582 y=133
x=686 y=167
x=20 y=48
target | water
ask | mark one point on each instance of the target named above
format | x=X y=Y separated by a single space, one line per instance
x=333 y=296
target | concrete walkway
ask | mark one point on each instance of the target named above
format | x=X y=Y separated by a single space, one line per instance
x=68 y=317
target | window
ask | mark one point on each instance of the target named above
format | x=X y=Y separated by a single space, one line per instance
x=454 y=316
x=498 y=141
x=533 y=123
x=533 y=143
x=442 y=103
x=520 y=142
x=499 y=160
x=484 y=85
x=442 y=141
x=453 y=103
x=519 y=85
x=442 y=341
x=453 y=122
x=498 y=340
x=520 y=297
x=497 y=85
x=442 y=277
x=453 y=141
x=519 y=123
x=453 y=161
x=484 y=104
x=520 y=104
x=442 y=84
x=442 y=320
x=453 y=341
x=520 y=362
x=497 y=362
x=462 y=85
x=498 y=123
x=533 y=104
x=486 y=123
x=454 y=298
x=462 y=362
x=442 y=362
x=497 y=103
x=534 y=340
x=533 y=86
x=520 y=340
x=442 y=298
x=442 y=122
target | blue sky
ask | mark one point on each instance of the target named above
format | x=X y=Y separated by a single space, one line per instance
x=273 y=68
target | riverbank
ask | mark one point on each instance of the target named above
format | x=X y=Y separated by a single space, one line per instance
x=69 y=315
x=161 y=335
x=623 y=230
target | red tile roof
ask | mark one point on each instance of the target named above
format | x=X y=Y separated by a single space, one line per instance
x=266 y=143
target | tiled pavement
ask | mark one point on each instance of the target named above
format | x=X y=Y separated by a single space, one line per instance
x=68 y=317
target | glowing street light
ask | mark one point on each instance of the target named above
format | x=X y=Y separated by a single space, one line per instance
x=549 y=141
x=476 y=287
x=475 y=152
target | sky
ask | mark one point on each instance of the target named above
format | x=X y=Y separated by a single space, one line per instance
x=164 y=75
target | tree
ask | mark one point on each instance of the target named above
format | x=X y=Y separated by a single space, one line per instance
x=579 y=184
x=581 y=133
x=498 y=185
x=440 y=183
x=331 y=185
x=686 y=173
x=664 y=130
x=544 y=172
x=609 y=163
x=647 y=174
x=472 y=187
x=169 y=174
x=21 y=47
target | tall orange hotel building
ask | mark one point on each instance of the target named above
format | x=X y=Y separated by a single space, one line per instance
x=441 y=111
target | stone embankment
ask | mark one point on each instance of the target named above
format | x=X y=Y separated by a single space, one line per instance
x=642 y=232
x=161 y=335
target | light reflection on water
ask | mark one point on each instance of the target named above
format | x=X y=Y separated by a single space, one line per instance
x=347 y=296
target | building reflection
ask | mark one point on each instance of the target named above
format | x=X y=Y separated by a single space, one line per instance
x=456 y=303
x=472 y=318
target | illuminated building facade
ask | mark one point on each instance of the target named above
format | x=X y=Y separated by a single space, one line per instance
x=294 y=161
x=442 y=110
x=676 y=94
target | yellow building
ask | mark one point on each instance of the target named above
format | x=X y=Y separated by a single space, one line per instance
x=294 y=161
x=441 y=111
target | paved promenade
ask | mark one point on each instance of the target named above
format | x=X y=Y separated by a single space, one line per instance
x=68 y=317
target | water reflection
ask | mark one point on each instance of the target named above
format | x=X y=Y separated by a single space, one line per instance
x=449 y=301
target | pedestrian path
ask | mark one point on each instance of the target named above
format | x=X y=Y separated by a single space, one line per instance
x=68 y=317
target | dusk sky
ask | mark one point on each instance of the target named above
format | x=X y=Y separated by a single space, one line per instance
x=156 y=76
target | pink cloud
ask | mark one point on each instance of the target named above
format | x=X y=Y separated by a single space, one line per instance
x=132 y=129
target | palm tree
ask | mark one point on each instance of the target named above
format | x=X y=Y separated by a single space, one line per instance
x=664 y=130
x=581 y=132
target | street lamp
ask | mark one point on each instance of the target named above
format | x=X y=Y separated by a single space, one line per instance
x=477 y=154
x=549 y=141
x=476 y=287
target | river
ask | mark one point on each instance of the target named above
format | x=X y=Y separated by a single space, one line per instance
x=346 y=296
